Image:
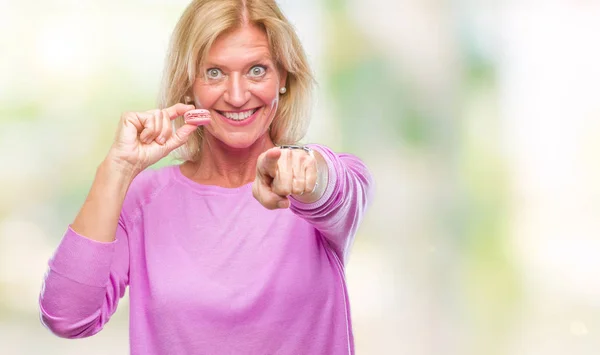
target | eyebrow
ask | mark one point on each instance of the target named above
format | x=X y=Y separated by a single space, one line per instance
x=254 y=61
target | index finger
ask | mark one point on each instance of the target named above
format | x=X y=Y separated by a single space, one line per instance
x=268 y=165
x=178 y=110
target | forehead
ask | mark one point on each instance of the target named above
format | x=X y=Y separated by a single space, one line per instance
x=239 y=46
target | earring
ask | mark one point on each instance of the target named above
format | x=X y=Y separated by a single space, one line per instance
x=283 y=90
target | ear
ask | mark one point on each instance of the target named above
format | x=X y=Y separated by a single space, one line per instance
x=282 y=77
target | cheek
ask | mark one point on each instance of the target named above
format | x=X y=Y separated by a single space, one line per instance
x=267 y=92
x=205 y=96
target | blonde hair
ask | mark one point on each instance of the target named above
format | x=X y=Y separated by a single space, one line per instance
x=198 y=28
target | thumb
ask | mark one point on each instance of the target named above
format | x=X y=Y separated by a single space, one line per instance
x=180 y=136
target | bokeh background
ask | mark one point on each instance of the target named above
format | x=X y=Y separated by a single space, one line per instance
x=479 y=119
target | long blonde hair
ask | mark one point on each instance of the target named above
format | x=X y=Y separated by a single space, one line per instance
x=200 y=25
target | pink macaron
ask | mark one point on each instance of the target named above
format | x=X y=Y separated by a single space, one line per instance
x=198 y=117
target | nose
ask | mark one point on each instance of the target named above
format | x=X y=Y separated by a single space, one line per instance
x=237 y=93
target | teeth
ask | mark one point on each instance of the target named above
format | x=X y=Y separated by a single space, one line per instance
x=239 y=116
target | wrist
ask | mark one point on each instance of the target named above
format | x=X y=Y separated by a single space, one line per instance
x=322 y=175
x=117 y=169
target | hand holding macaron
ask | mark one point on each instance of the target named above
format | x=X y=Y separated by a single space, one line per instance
x=143 y=138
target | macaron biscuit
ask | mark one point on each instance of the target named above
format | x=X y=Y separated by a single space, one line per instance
x=198 y=117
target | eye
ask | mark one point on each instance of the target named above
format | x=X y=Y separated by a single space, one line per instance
x=258 y=70
x=214 y=73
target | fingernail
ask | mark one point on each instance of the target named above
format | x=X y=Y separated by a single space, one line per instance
x=282 y=204
x=161 y=140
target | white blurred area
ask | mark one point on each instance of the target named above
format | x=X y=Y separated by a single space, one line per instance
x=413 y=288
x=551 y=115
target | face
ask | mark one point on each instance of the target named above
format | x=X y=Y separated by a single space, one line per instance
x=239 y=84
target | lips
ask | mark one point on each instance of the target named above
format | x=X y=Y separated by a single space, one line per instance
x=238 y=115
x=240 y=118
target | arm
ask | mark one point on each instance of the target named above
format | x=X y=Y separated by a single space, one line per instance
x=88 y=273
x=99 y=215
x=84 y=283
x=343 y=194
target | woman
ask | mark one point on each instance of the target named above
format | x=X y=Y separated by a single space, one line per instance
x=241 y=248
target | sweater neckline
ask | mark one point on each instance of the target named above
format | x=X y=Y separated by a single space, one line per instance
x=203 y=188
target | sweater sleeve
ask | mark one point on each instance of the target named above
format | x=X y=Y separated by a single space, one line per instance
x=339 y=212
x=84 y=283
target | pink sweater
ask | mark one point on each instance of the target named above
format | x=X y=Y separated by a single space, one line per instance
x=211 y=271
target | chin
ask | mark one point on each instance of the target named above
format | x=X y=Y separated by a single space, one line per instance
x=239 y=141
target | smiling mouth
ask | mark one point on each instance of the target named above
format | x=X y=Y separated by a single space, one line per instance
x=238 y=116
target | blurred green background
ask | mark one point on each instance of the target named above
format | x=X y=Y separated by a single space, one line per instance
x=479 y=119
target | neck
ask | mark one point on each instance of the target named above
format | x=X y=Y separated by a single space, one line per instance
x=225 y=166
